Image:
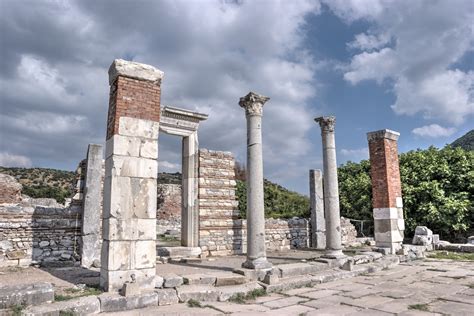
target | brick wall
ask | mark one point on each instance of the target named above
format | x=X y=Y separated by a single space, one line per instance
x=132 y=98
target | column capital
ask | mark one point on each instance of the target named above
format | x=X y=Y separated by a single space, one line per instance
x=327 y=123
x=253 y=103
x=383 y=133
x=134 y=70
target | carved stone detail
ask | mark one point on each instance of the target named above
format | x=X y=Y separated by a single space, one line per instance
x=327 y=123
x=253 y=103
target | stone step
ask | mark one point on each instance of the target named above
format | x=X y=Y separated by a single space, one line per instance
x=199 y=279
x=201 y=293
x=226 y=292
x=26 y=294
x=116 y=303
x=79 y=306
x=230 y=279
x=300 y=268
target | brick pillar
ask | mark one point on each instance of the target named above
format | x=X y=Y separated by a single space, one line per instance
x=386 y=189
x=131 y=169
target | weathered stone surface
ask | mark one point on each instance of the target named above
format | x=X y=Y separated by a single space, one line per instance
x=134 y=70
x=78 y=306
x=116 y=303
x=10 y=189
x=470 y=240
x=172 y=280
x=28 y=294
x=167 y=296
x=159 y=282
x=202 y=293
x=318 y=222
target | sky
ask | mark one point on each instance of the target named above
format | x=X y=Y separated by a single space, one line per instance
x=374 y=64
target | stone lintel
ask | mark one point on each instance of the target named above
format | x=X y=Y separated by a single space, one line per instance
x=253 y=103
x=184 y=113
x=134 y=70
x=383 y=134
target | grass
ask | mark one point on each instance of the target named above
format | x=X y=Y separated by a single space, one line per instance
x=66 y=313
x=194 y=303
x=167 y=238
x=419 y=307
x=75 y=292
x=17 y=309
x=460 y=256
x=241 y=298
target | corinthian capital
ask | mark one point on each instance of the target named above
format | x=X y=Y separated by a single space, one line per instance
x=327 y=123
x=253 y=103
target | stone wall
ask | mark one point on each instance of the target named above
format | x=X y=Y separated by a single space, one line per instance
x=10 y=189
x=169 y=202
x=35 y=234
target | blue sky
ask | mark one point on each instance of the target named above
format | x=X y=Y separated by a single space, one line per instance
x=374 y=64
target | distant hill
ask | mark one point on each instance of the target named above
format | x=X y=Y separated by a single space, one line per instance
x=43 y=182
x=466 y=142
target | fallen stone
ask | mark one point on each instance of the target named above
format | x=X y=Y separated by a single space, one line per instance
x=470 y=240
x=27 y=294
x=167 y=297
x=201 y=293
x=159 y=282
x=179 y=252
x=79 y=306
x=130 y=289
x=423 y=230
x=172 y=280
x=115 y=303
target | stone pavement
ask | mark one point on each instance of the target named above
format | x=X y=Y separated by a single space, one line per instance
x=424 y=287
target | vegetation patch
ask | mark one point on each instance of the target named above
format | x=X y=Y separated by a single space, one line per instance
x=71 y=293
x=17 y=309
x=197 y=304
x=459 y=256
x=419 y=307
x=241 y=298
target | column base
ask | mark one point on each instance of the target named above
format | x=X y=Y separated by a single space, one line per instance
x=334 y=254
x=257 y=264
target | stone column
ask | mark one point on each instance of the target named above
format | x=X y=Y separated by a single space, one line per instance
x=256 y=255
x=331 y=188
x=190 y=205
x=92 y=207
x=316 y=197
x=131 y=169
x=389 y=224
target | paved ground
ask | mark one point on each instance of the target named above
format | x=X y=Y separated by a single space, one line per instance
x=429 y=287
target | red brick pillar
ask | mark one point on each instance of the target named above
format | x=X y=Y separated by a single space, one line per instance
x=131 y=170
x=386 y=189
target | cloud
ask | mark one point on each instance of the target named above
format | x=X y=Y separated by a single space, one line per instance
x=54 y=85
x=355 y=154
x=414 y=46
x=433 y=131
x=9 y=160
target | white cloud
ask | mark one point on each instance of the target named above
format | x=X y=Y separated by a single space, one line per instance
x=434 y=131
x=355 y=154
x=10 y=160
x=427 y=39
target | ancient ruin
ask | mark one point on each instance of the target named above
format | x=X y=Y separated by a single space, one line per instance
x=106 y=234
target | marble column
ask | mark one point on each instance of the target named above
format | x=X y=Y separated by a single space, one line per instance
x=189 y=198
x=256 y=255
x=318 y=222
x=331 y=189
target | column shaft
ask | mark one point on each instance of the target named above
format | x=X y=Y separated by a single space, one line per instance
x=189 y=205
x=318 y=221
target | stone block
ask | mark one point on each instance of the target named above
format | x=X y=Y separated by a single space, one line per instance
x=144 y=255
x=172 y=280
x=230 y=279
x=385 y=213
x=130 y=198
x=199 y=279
x=27 y=294
x=117 y=256
x=202 y=293
x=167 y=297
x=422 y=240
x=114 y=280
x=134 y=70
x=124 y=146
x=139 y=128
x=296 y=269
x=423 y=230
x=79 y=306
x=136 y=167
x=115 y=303
x=159 y=282
x=149 y=148
x=179 y=252
x=129 y=229
x=130 y=289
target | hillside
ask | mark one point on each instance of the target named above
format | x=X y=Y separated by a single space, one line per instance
x=465 y=142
